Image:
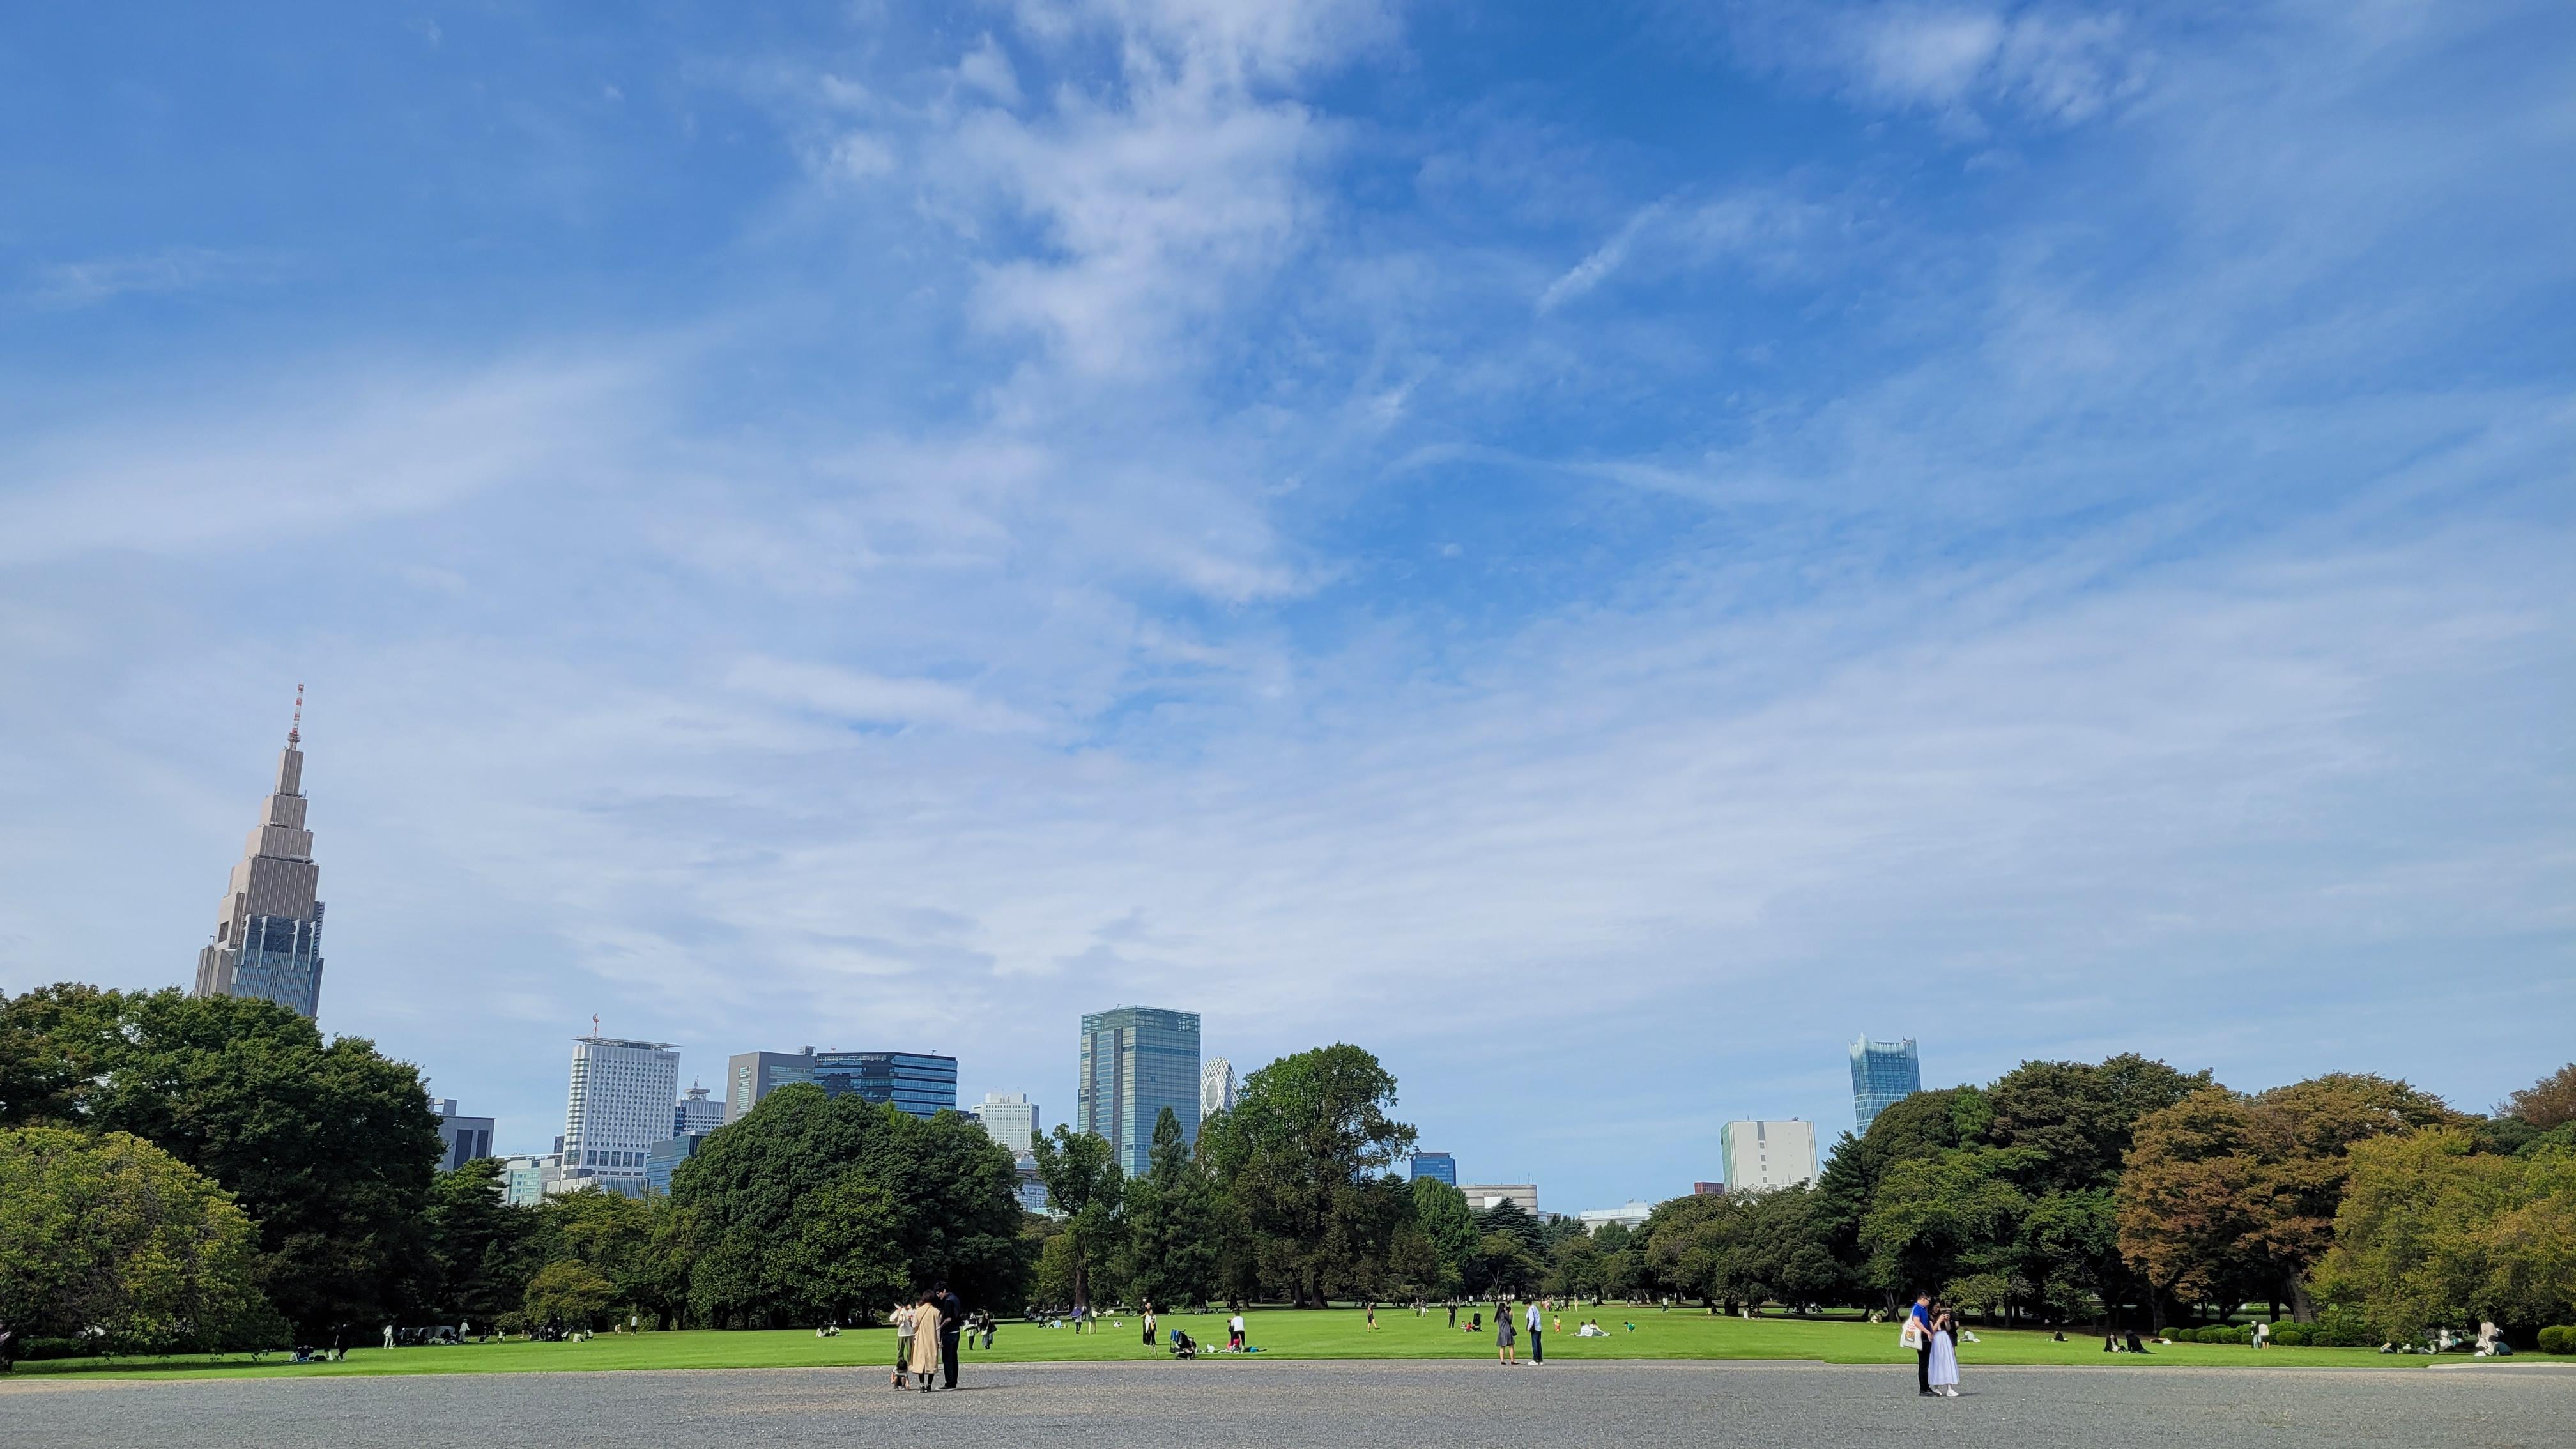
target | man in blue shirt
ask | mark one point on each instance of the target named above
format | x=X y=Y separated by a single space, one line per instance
x=1921 y=1322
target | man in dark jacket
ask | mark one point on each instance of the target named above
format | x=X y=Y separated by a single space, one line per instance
x=952 y=1323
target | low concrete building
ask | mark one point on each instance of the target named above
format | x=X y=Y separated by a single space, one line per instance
x=1482 y=1195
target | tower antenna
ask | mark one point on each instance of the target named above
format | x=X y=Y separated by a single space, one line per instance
x=295 y=731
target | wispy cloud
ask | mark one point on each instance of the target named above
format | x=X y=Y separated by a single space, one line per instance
x=72 y=285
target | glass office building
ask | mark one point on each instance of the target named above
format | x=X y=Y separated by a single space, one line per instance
x=920 y=1084
x=1884 y=1073
x=1136 y=1061
x=664 y=1158
x=1438 y=1166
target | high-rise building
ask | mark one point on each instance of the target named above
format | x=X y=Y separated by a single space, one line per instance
x=920 y=1084
x=1760 y=1156
x=1136 y=1061
x=1438 y=1166
x=1216 y=1088
x=460 y=1139
x=1009 y=1118
x=523 y=1179
x=268 y=931
x=1708 y=1189
x=664 y=1158
x=750 y=1076
x=694 y=1113
x=620 y=1104
x=1884 y=1073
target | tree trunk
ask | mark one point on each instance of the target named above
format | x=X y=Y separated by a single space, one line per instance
x=2301 y=1310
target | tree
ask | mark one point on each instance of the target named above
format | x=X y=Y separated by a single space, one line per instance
x=1441 y=1214
x=1083 y=1182
x=570 y=1293
x=482 y=1251
x=1171 y=1224
x=2077 y=1118
x=1304 y=1155
x=2227 y=1195
x=1939 y=1219
x=2546 y=1103
x=330 y=1148
x=769 y=1197
x=112 y=1238
x=2434 y=1233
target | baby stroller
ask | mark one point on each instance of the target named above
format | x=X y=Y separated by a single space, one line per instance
x=1184 y=1346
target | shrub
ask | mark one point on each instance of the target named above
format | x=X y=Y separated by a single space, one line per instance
x=2558 y=1340
x=2290 y=1335
x=2340 y=1327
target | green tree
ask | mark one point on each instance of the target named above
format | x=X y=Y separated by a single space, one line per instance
x=331 y=1148
x=1441 y=1213
x=570 y=1293
x=1938 y=1219
x=2434 y=1233
x=110 y=1236
x=752 y=1239
x=1305 y=1155
x=482 y=1250
x=1172 y=1230
x=1083 y=1182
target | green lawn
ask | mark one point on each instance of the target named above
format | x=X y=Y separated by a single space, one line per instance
x=1280 y=1333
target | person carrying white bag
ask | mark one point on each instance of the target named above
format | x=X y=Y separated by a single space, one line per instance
x=1917 y=1335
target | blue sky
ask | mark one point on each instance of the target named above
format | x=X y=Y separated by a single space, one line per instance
x=1598 y=551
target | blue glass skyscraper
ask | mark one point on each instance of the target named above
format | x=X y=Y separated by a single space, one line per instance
x=1136 y=1061
x=920 y=1084
x=1883 y=1074
x=1438 y=1166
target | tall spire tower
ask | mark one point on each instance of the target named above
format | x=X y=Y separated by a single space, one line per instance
x=268 y=931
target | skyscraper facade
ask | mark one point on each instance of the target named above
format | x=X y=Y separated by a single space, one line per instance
x=461 y=1139
x=1136 y=1061
x=1438 y=1166
x=619 y=1105
x=268 y=931
x=750 y=1076
x=1009 y=1118
x=695 y=1113
x=1884 y=1073
x=1760 y=1156
x=916 y=1082
x=1216 y=1088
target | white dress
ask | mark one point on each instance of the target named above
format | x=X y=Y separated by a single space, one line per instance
x=1945 y=1362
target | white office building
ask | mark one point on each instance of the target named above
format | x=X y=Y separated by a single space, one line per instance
x=620 y=1105
x=1760 y=1156
x=1009 y=1118
x=1216 y=1088
x=1483 y=1195
x=524 y=1179
x=694 y=1115
x=1633 y=1215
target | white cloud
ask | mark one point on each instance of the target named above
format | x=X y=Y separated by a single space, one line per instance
x=873 y=699
x=73 y=285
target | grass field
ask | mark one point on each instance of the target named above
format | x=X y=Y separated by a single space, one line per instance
x=1278 y=1332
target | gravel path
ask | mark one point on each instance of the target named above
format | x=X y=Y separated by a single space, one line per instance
x=1341 y=1405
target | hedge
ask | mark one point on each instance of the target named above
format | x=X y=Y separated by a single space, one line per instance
x=2558 y=1340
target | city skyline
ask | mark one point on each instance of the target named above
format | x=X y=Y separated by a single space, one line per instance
x=1577 y=548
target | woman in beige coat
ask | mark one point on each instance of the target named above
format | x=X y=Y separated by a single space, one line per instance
x=925 y=1340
